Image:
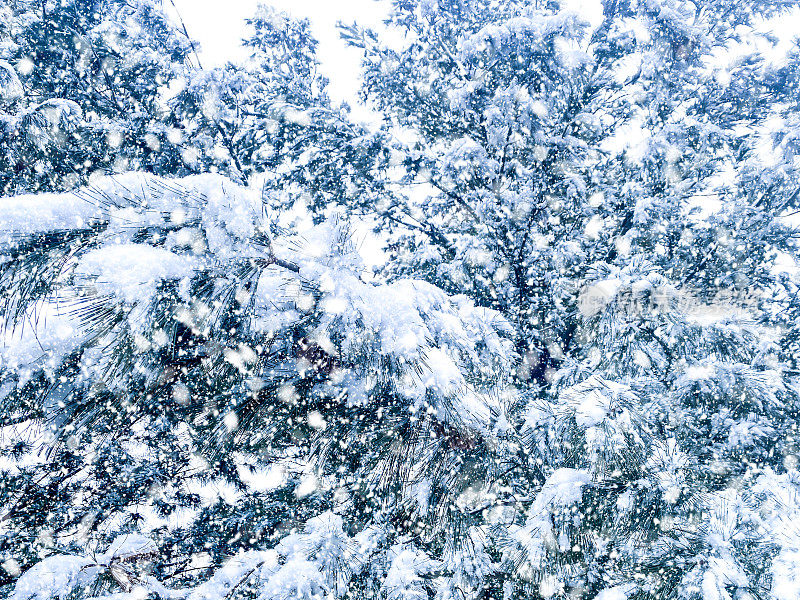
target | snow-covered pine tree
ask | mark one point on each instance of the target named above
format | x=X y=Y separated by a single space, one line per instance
x=271 y=118
x=173 y=370
x=251 y=111
x=617 y=179
x=85 y=87
x=611 y=182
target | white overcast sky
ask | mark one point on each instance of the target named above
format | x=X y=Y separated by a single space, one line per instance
x=219 y=26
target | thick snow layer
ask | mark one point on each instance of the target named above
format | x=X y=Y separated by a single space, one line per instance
x=231 y=573
x=132 y=271
x=149 y=231
x=595 y=400
x=55 y=577
x=296 y=579
x=133 y=199
x=44 y=336
x=563 y=488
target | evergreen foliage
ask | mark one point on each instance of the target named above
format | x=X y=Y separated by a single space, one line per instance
x=575 y=376
x=87 y=92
